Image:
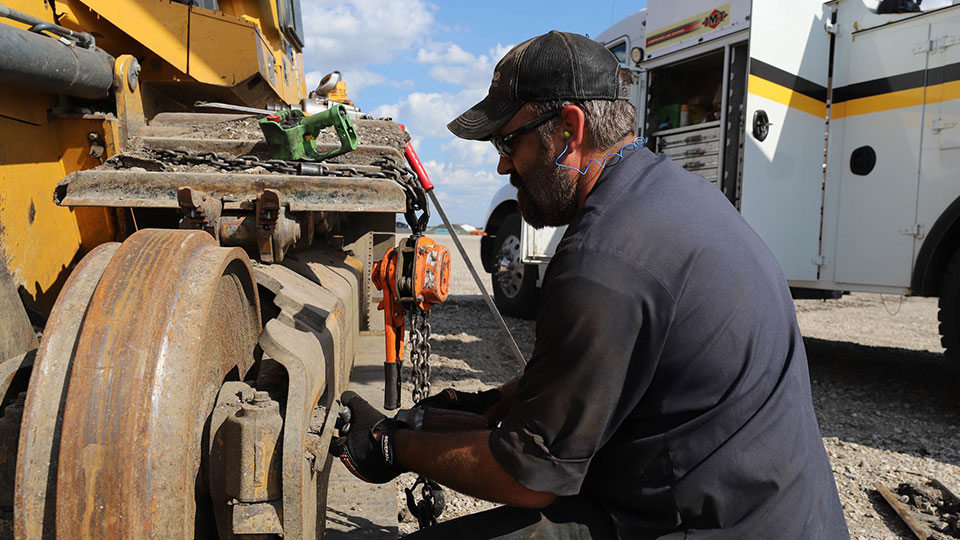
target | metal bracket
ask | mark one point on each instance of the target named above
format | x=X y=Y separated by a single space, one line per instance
x=276 y=233
x=819 y=261
x=947 y=41
x=97 y=146
x=915 y=230
x=199 y=210
x=936 y=45
x=268 y=208
x=939 y=125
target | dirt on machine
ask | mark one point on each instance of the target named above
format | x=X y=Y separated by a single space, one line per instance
x=189 y=239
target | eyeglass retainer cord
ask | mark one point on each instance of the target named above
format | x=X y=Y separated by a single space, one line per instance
x=640 y=142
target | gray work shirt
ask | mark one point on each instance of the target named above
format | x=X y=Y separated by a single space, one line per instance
x=669 y=380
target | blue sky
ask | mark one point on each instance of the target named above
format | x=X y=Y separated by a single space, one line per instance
x=423 y=63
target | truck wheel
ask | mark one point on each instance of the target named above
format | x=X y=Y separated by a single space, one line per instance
x=949 y=315
x=514 y=283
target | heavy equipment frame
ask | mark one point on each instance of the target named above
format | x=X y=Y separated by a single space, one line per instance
x=198 y=312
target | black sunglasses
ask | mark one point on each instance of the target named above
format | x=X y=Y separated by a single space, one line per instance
x=502 y=142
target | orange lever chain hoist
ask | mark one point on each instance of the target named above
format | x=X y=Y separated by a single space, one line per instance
x=413 y=276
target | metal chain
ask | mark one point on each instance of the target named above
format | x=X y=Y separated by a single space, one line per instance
x=430 y=506
x=229 y=163
x=389 y=169
x=420 y=353
x=416 y=196
x=432 y=500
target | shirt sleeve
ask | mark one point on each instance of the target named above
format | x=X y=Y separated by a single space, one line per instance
x=601 y=325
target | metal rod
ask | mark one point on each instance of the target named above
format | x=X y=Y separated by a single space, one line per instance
x=725 y=89
x=231 y=107
x=920 y=531
x=38 y=25
x=476 y=277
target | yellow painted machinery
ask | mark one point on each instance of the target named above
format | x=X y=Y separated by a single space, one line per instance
x=198 y=303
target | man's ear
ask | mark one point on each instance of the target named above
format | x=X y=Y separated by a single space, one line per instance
x=573 y=123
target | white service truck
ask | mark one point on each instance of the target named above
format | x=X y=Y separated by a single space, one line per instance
x=834 y=129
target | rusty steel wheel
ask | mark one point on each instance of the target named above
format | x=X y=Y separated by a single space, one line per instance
x=39 y=445
x=172 y=318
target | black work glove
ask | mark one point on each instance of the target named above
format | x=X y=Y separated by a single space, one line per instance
x=454 y=400
x=369 y=459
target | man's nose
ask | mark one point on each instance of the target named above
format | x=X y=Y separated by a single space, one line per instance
x=504 y=166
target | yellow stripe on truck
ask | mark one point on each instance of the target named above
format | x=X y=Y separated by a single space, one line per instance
x=783 y=95
x=880 y=103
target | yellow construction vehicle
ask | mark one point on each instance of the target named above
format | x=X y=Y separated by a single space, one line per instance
x=199 y=302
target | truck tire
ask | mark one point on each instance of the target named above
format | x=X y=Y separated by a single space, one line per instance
x=514 y=283
x=949 y=315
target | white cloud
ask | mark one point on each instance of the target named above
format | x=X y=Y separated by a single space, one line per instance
x=405 y=84
x=464 y=178
x=460 y=75
x=426 y=114
x=449 y=53
x=463 y=192
x=451 y=64
x=389 y=111
x=341 y=34
x=470 y=153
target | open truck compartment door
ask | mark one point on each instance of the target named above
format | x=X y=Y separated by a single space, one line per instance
x=889 y=76
x=784 y=136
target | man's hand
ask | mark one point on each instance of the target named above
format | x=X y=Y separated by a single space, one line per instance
x=367 y=449
x=454 y=400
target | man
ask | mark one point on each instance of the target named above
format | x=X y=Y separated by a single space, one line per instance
x=668 y=394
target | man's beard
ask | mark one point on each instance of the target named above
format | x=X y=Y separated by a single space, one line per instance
x=547 y=195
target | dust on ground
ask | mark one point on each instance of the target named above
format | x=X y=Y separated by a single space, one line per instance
x=885 y=398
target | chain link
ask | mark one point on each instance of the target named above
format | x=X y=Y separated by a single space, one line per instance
x=432 y=502
x=420 y=353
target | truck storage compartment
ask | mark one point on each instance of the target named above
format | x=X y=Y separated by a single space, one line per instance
x=686 y=93
x=683 y=114
x=695 y=148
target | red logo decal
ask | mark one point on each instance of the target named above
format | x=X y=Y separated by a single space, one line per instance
x=714 y=19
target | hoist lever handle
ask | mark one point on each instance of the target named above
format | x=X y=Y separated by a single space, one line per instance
x=385 y=279
x=417 y=166
x=391 y=372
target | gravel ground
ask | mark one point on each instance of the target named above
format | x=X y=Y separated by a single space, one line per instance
x=884 y=396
